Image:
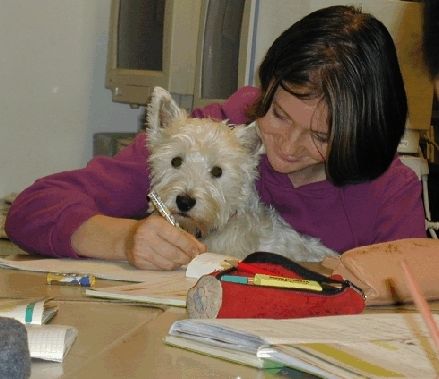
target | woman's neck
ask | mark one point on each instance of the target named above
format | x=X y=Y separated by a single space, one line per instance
x=312 y=174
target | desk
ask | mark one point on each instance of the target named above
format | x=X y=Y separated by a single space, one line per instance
x=119 y=340
x=122 y=340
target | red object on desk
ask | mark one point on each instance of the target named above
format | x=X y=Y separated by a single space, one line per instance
x=213 y=298
x=260 y=268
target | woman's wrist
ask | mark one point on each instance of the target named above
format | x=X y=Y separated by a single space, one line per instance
x=104 y=237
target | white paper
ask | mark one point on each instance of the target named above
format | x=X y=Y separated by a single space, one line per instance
x=368 y=359
x=202 y=264
x=348 y=346
x=206 y=263
x=345 y=328
x=28 y=311
x=50 y=342
x=99 y=268
x=168 y=290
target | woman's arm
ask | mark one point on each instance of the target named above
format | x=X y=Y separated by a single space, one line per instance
x=100 y=212
x=94 y=211
x=401 y=212
x=150 y=244
x=44 y=216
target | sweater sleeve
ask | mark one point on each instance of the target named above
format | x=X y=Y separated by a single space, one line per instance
x=233 y=109
x=401 y=213
x=44 y=216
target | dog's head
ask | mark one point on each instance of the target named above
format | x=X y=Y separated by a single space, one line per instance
x=203 y=170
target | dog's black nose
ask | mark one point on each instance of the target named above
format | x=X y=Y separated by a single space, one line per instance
x=185 y=203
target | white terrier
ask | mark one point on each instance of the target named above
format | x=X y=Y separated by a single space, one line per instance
x=204 y=171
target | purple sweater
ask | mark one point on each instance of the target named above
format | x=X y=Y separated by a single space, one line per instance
x=44 y=216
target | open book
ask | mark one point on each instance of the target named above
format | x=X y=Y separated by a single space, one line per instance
x=351 y=346
x=164 y=287
x=28 y=311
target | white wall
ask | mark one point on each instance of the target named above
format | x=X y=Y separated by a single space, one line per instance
x=52 y=93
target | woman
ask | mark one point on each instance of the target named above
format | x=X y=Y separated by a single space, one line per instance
x=331 y=111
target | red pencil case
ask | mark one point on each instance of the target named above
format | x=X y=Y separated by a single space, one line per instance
x=214 y=297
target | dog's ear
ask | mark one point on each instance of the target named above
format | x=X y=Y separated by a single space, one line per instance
x=162 y=110
x=248 y=136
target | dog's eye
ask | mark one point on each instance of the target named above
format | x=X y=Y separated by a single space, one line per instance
x=216 y=171
x=176 y=162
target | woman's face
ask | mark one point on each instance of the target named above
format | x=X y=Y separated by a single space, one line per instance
x=294 y=132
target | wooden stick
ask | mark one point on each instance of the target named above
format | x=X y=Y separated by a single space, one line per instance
x=422 y=305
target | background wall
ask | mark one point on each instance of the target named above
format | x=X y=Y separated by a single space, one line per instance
x=52 y=93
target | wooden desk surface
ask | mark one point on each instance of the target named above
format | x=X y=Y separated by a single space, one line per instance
x=119 y=340
x=123 y=340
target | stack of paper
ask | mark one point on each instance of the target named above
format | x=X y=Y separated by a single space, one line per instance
x=50 y=342
x=351 y=346
x=165 y=287
x=28 y=311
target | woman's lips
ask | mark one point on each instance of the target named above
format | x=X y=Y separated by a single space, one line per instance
x=288 y=158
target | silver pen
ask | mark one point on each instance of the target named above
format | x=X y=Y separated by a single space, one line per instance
x=160 y=206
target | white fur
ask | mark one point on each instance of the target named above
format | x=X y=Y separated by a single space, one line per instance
x=227 y=215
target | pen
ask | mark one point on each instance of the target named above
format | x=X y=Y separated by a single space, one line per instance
x=422 y=305
x=160 y=206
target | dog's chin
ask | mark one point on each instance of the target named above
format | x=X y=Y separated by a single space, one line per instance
x=191 y=226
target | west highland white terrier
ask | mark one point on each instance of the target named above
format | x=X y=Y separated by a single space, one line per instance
x=204 y=171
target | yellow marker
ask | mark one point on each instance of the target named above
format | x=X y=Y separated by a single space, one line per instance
x=279 y=281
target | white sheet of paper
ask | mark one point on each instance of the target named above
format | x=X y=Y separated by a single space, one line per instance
x=99 y=268
x=168 y=291
x=111 y=270
x=328 y=329
x=50 y=342
x=206 y=263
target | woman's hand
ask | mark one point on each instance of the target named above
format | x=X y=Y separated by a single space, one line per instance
x=158 y=245
x=149 y=244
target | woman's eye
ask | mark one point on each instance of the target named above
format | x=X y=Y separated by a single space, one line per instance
x=176 y=162
x=216 y=171
x=277 y=114
x=280 y=115
x=321 y=138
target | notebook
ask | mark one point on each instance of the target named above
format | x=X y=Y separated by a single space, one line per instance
x=347 y=346
x=50 y=342
x=167 y=288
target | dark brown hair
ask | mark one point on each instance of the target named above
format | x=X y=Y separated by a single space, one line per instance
x=347 y=59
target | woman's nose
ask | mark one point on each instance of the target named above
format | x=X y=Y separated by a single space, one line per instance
x=294 y=142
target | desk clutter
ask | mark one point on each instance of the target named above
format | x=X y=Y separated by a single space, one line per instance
x=259 y=311
x=344 y=346
x=48 y=342
x=266 y=285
